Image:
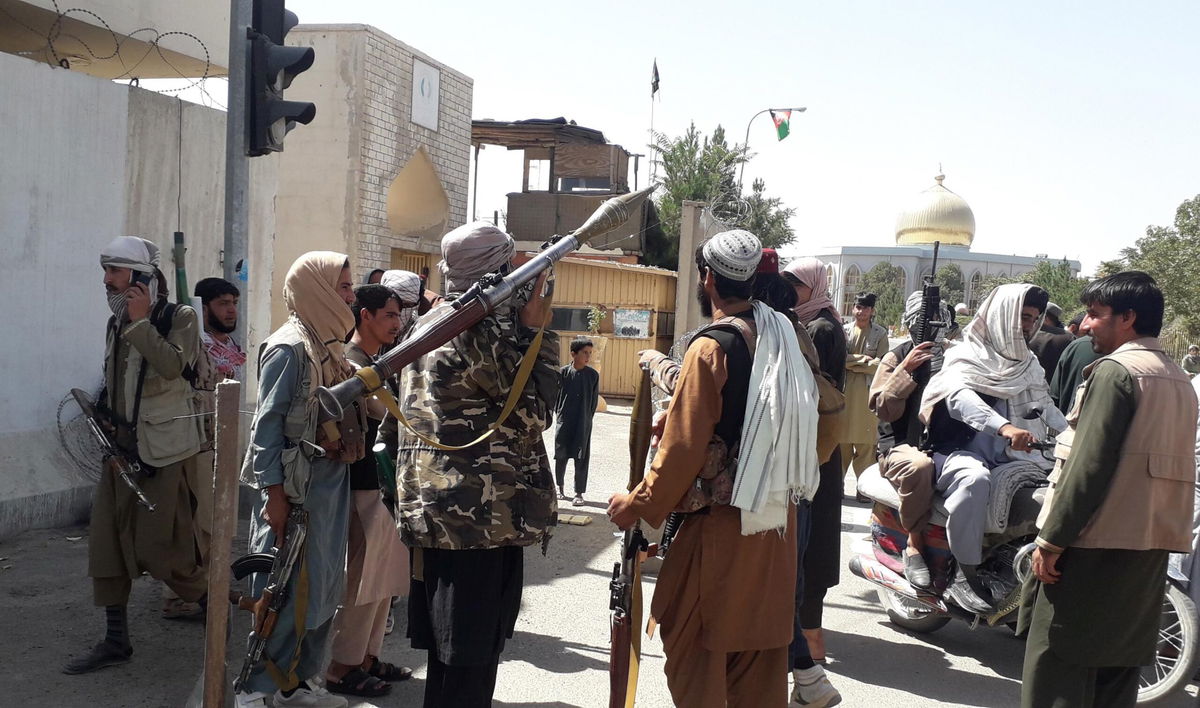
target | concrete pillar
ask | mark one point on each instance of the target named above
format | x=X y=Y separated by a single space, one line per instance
x=687 y=310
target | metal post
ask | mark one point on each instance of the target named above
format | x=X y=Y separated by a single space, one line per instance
x=746 y=142
x=224 y=525
x=475 y=189
x=237 y=165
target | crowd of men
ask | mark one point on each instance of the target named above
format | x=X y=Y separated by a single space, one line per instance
x=433 y=489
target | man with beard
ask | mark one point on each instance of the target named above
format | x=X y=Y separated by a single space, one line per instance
x=895 y=397
x=725 y=597
x=150 y=352
x=376 y=560
x=1118 y=504
x=990 y=395
x=474 y=487
x=294 y=461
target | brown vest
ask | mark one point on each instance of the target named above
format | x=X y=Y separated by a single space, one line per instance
x=1149 y=505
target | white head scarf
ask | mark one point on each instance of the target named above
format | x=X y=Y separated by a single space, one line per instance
x=993 y=358
x=407 y=286
x=136 y=254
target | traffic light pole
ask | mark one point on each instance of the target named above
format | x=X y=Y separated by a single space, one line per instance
x=237 y=164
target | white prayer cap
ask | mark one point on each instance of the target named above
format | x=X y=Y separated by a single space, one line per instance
x=734 y=254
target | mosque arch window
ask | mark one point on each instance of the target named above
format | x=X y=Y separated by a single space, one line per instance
x=850 y=284
x=974 y=296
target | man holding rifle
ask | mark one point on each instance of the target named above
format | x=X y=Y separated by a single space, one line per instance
x=149 y=414
x=725 y=597
x=474 y=483
x=300 y=468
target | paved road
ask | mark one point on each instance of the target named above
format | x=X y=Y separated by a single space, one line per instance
x=557 y=658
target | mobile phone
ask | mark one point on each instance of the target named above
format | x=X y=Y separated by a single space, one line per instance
x=140 y=277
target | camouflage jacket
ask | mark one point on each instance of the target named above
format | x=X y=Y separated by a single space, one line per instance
x=498 y=492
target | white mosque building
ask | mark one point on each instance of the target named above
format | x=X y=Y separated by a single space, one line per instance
x=934 y=215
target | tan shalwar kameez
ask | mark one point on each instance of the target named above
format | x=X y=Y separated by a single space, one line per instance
x=864 y=347
x=725 y=602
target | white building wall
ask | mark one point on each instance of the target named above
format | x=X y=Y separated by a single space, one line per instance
x=86 y=160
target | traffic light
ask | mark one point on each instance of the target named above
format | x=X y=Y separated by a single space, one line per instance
x=272 y=67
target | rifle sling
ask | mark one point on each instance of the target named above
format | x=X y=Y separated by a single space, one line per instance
x=370 y=377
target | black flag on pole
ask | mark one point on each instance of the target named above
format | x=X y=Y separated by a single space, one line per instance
x=654 y=80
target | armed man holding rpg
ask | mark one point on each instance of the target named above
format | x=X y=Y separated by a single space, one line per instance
x=148 y=401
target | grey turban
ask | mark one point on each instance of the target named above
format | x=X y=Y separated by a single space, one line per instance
x=406 y=285
x=471 y=251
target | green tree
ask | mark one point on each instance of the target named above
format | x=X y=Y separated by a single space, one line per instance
x=950 y=278
x=1171 y=255
x=702 y=168
x=1055 y=277
x=886 y=281
x=767 y=218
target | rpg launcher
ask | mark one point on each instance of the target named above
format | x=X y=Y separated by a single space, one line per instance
x=475 y=304
x=625 y=589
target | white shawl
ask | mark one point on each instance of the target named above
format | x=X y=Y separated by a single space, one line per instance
x=994 y=359
x=778 y=458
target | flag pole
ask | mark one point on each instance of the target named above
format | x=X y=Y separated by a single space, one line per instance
x=653 y=161
x=746 y=142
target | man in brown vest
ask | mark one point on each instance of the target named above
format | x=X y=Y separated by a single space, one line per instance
x=1120 y=501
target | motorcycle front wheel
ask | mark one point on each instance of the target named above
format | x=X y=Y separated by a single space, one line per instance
x=910 y=615
x=1178 y=649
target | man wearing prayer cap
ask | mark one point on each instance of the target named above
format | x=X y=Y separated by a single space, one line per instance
x=725 y=597
x=294 y=461
x=866 y=343
x=471 y=500
x=150 y=355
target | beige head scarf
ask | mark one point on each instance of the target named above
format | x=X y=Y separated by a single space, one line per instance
x=471 y=251
x=323 y=318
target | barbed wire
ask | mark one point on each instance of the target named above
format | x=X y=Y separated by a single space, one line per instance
x=58 y=32
x=76 y=439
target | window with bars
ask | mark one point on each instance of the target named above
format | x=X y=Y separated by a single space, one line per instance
x=850 y=285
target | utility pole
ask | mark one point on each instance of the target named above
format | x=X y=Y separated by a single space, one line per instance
x=237 y=164
x=746 y=142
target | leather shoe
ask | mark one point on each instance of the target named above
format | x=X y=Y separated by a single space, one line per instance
x=968 y=596
x=916 y=572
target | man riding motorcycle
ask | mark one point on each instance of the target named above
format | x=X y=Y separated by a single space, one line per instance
x=986 y=407
x=895 y=398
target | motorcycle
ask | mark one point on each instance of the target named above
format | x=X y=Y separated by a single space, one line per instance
x=1006 y=563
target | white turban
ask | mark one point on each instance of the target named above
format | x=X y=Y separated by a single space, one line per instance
x=130 y=252
x=406 y=285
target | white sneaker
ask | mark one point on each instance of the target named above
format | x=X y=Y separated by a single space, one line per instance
x=812 y=689
x=577 y=501
x=311 y=694
x=250 y=700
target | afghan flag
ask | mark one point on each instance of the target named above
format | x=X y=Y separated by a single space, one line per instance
x=781 y=122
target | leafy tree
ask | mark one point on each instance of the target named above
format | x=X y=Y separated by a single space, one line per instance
x=1171 y=255
x=703 y=168
x=1055 y=277
x=886 y=281
x=767 y=218
x=950 y=278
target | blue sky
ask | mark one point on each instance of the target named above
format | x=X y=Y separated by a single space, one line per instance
x=1068 y=127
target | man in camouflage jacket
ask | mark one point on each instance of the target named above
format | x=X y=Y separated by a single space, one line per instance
x=468 y=513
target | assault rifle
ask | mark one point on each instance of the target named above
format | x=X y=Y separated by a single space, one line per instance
x=280 y=565
x=127 y=468
x=625 y=589
x=475 y=304
x=932 y=318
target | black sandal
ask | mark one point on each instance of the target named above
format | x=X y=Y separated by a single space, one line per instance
x=357 y=682
x=388 y=672
x=103 y=655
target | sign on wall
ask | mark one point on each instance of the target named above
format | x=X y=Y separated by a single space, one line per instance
x=425 y=89
x=631 y=324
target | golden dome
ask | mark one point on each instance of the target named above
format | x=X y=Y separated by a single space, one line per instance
x=937 y=214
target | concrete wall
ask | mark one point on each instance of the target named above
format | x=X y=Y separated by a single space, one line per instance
x=336 y=171
x=86 y=160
